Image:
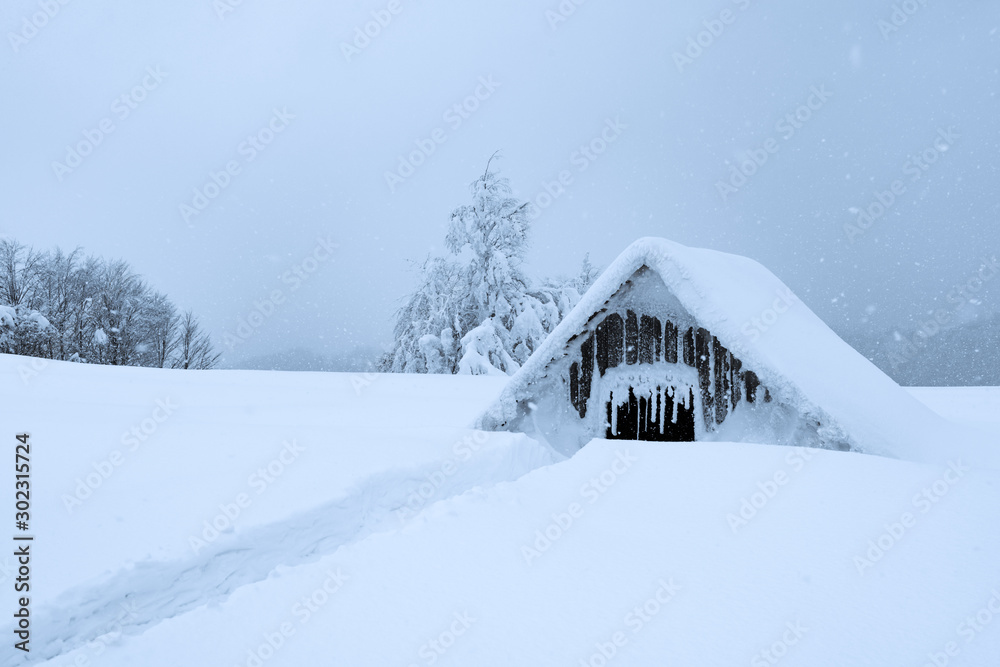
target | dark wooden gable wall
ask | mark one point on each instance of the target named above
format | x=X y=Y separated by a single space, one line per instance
x=639 y=338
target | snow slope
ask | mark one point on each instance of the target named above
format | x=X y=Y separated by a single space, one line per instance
x=308 y=460
x=396 y=531
x=656 y=538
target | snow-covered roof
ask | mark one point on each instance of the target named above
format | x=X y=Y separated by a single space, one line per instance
x=758 y=318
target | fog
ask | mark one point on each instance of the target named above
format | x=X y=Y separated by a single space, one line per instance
x=759 y=128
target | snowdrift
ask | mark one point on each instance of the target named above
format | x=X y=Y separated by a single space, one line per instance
x=391 y=535
x=636 y=554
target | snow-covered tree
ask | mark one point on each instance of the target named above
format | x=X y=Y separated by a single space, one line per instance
x=164 y=332
x=492 y=233
x=72 y=307
x=24 y=331
x=477 y=311
x=425 y=326
x=484 y=352
x=588 y=274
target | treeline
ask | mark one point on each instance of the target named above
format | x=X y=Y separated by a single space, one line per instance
x=77 y=307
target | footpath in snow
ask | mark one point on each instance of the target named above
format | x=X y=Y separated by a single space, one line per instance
x=635 y=554
x=248 y=518
x=149 y=592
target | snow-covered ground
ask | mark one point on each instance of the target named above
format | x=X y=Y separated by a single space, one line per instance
x=358 y=521
x=970 y=405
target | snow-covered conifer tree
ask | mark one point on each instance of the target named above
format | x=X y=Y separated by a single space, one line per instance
x=588 y=274
x=478 y=311
x=427 y=322
x=492 y=233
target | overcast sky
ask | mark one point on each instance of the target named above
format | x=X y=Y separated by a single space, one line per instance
x=666 y=120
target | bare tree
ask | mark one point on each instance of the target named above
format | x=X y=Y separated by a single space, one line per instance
x=162 y=335
x=19 y=272
x=121 y=299
x=194 y=349
x=70 y=306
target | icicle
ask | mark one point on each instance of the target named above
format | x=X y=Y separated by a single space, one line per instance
x=614 y=415
x=659 y=407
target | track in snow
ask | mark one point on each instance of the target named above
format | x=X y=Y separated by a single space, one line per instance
x=135 y=599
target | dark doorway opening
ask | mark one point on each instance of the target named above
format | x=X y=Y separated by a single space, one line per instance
x=641 y=418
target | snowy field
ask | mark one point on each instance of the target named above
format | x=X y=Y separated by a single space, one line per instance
x=265 y=518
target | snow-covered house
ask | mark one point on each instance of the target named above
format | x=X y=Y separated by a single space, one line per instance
x=681 y=344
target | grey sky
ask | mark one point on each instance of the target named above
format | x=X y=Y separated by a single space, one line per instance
x=545 y=89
